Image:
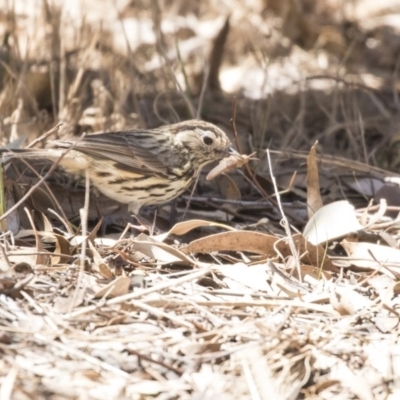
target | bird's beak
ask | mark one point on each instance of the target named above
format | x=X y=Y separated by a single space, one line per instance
x=230 y=151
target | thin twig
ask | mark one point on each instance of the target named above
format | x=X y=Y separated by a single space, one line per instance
x=84 y=212
x=285 y=222
x=241 y=203
x=246 y=166
x=203 y=90
x=49 y=192
x=44 y=136
x=140 y=293
x=190 y=197
x=34 y=187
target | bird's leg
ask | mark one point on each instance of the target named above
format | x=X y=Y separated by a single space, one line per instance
x=134 y=208
x=173 y=215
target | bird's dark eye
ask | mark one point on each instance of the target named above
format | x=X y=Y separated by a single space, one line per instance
x=207 y=140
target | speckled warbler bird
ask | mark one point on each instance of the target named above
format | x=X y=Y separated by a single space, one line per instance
x=140 y=167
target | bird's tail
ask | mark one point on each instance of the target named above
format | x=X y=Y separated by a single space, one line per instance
x=71 y=160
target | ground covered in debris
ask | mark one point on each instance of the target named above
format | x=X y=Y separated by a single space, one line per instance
x=277 y=280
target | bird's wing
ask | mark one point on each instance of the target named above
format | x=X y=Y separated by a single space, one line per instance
x=135 y=151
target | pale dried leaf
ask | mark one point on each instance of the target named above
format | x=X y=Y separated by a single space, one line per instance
x=347 y=301
x=373 y=256
x=254 y=277
x=358 y=385
x=117 y=287
x=332 y=221
x=99 y=265
x=181 y=228
x=24 y=255
x=105 y=242
x=48 y=227
x=161 y=252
